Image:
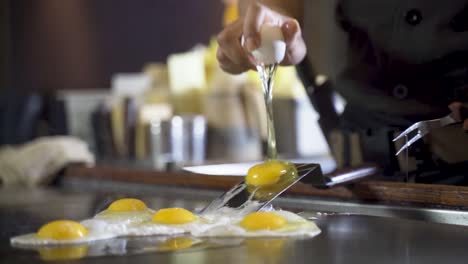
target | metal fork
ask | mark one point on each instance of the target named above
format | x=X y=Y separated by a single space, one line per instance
x=423 y=128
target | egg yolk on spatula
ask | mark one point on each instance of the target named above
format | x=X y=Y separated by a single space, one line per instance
x=263 y=221
x=62 y=230
x=126 y=205
x=173 y=216
x=271 y=173
x=266 y=173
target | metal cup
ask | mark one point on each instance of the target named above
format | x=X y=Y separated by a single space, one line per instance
x=160 y=150
x=180 y=140
x=188 y=139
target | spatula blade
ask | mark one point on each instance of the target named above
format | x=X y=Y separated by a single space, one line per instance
x=244 y=201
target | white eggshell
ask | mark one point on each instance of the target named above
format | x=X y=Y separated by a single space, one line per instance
x=272 y=48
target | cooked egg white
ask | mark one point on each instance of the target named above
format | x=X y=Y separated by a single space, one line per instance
x=119 y=217
x=173 y=221
x=112 y=222
x=131 y=217
x=264 y=224
x=60 y=232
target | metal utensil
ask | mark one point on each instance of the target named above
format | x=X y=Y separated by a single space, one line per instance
x=180 y=140
x=245 y=201
x=423 y=128
x=242 y=200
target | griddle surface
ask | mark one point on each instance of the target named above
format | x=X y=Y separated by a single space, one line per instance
x=344 y=239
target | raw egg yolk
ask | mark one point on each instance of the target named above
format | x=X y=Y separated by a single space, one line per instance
x=173 y=216
x=263 y=221
x=62 y=230
x=126 y=205
x=176 y=243
x=63 y=253
x=266 y=173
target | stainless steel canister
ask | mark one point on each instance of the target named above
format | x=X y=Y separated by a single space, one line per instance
x=180 y=140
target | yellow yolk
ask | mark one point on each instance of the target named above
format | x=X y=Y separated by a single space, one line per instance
x=176 y=243
x=62 y=230
x=173 y=216
x=126 y=205
x=63 y=253
x=263 y=221
x=266 y=173
x=266 y=179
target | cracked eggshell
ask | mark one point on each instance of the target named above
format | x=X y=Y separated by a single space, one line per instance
x=272 y=48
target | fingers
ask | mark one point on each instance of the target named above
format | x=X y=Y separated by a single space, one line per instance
x=231 y=56
x=235 y=58
x=227 y=64
x=257 y=15
x=460 y=113
x=252 y=22
x=456 y=110
x=229 y=42
x=296 y=48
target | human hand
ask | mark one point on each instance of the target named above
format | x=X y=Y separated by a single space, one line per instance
x=460 y=113
x=235 y=58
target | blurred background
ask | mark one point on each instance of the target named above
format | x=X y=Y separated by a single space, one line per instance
x=139 y=83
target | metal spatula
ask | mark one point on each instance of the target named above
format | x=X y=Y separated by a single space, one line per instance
x=241 y=199
x=244 y=201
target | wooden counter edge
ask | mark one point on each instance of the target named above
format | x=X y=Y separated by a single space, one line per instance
x=379 y=191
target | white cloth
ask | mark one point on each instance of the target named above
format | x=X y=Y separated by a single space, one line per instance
x=37 y=162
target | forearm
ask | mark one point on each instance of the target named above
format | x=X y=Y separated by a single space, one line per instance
x=292 y=8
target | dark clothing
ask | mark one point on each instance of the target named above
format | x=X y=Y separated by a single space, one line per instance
x=406 y=61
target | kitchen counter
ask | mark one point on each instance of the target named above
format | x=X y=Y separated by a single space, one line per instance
x=366 y=190
x=345 y=238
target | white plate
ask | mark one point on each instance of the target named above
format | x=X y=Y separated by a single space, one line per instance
x=240 y=169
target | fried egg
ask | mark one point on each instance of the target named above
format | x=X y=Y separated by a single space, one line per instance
x=61 y=232
x=131 y=217
x=110 y=223
x=264 y=224
x=173 y=221
x=119 y=217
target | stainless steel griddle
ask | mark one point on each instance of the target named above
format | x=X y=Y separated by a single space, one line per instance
x=345 y=238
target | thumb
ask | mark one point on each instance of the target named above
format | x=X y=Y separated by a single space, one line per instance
x=291 y=30
x=296 y=48
x=253 y=19
x=456 y=110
